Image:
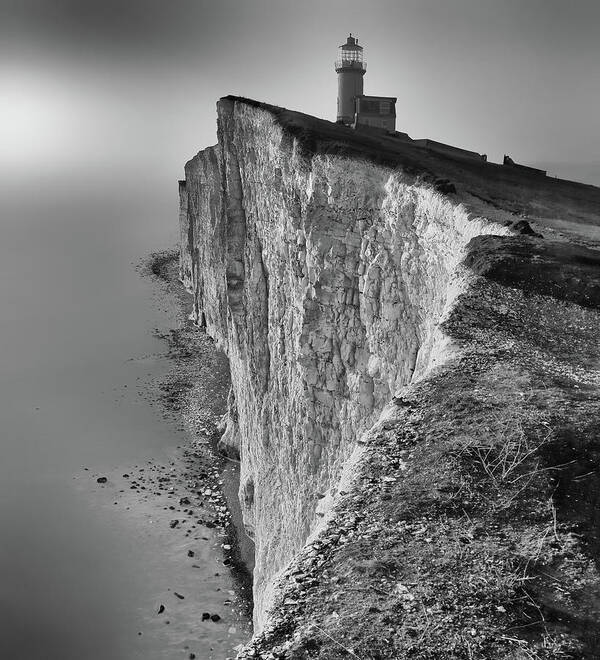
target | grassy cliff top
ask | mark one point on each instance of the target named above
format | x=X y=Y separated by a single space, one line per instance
x=565 y=209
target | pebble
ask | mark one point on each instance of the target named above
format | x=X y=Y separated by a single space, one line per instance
x=101 y=480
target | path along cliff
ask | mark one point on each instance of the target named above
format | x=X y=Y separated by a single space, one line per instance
x=414 y=389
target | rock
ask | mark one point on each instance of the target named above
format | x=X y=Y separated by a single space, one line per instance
x=178 y=595
x=190 y=553
x=523 y=227
x=205 y=616
x=161 y=609
x=445 y=186
x=215 y=617
x=102 y=480
x=174 y=523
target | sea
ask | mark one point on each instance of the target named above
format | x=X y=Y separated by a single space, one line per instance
x=86 y=567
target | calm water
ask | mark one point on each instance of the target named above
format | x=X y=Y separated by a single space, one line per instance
x=77 y=579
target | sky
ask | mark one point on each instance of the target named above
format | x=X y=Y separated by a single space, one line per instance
x=119 y=88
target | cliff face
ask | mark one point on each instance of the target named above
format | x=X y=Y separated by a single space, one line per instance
x=324 y=280
x=403 y=386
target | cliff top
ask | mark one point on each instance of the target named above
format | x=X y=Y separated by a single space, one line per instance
x=567 y=209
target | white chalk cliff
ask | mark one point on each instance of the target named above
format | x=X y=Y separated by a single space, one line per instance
x=324 y=280
x=324 y=276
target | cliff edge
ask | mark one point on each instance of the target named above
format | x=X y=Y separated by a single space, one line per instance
x=414 y=389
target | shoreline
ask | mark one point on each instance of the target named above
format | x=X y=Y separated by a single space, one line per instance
x=200 y=424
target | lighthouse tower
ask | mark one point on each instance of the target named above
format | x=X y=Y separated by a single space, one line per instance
x=350 y=68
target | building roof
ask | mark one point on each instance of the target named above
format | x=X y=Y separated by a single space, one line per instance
x=351 y=44
x=368 y=97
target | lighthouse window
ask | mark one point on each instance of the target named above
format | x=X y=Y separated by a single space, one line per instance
x=351 y=56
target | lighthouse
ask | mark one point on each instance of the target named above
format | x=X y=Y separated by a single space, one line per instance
x=354 y=109
x=350 y=68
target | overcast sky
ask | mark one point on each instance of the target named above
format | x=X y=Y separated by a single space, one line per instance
x=131 y=85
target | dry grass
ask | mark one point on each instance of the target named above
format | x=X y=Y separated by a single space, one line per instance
x=456 y=570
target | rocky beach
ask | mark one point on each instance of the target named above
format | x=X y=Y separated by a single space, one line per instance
x=184 y=510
